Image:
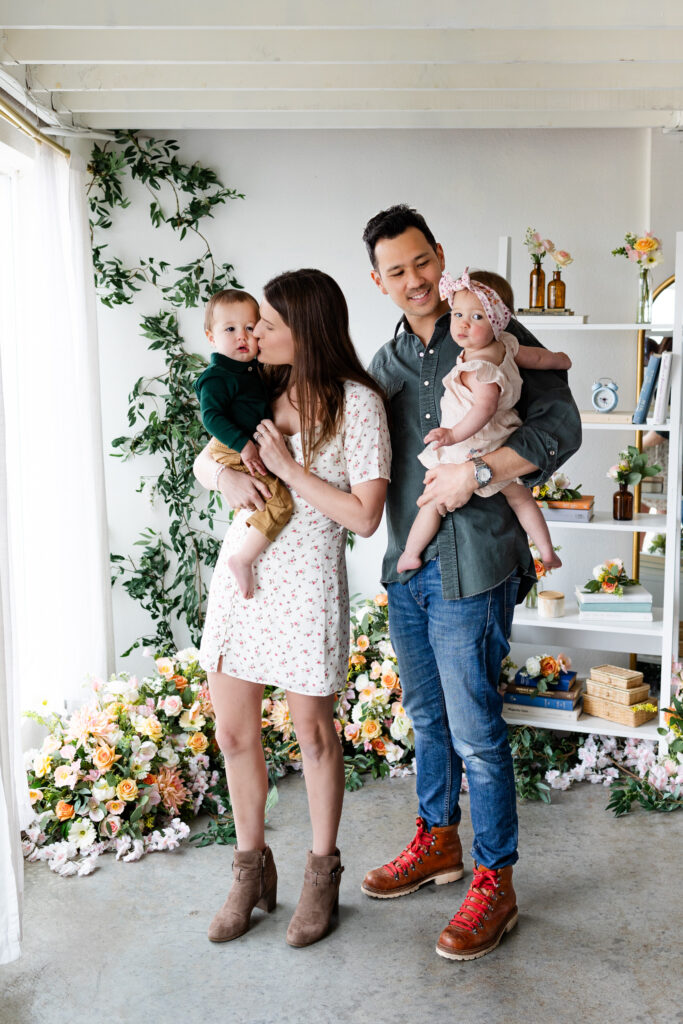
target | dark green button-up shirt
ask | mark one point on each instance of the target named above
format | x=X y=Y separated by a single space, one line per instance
x=232 y=400
x=481 y=544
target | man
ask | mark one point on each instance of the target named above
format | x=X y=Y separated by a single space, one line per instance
x=450 y=620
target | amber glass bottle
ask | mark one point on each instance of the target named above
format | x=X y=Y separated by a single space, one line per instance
x=622 y=503
x=537 y=287
x=556 y=291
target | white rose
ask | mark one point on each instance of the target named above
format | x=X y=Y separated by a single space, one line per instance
x=51 y=744
x=95 y=811
x=172 y=705
x=400 y=727
x=187 y=656
x=147 y=750
x=560 y=480
x=533 y=666
x=597 y=570
x=68 y=752
x=168 y=755
x=102 y=791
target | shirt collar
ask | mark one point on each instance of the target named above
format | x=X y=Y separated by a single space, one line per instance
x=234 y=365
x=441 y=328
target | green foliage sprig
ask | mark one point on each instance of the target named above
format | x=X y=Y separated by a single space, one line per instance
x=537 y=751
x=162 y=412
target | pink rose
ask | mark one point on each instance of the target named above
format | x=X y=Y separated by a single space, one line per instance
x=172 y=705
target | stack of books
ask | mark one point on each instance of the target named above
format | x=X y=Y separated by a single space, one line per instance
x=634 y=605
x=657 y=371
x=580 y=510
x=618 y=695
x=523 y=702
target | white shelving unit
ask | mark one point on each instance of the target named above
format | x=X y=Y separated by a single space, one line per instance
x=660 y=637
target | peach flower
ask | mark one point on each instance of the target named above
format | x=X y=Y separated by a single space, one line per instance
x=648 y=243
x=378 y=747
x=352 y=732
x=362 y=643
x=64 y=811
x=197 y=743
x=127 y=790
x=549 y=666
x=104 y=757
x=357 y=659
x=115 y=807
x=370 y=729
x=381 y=600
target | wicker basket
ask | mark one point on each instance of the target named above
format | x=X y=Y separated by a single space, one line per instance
x=616 y=693
x=613 y=712
x=616 y=676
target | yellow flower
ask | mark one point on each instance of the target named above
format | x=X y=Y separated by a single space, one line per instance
x=153 y=728
x=41 y=765
x=370 y=729
x=127 y=790
x=197 y=743
x=646 y=244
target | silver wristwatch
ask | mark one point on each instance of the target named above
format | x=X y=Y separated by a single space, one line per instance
x=483 y=473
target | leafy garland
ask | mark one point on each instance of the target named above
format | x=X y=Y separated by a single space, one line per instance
x=163 y=414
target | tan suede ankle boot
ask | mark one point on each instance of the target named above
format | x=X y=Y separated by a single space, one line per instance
x=254 y=885
x=318 y=901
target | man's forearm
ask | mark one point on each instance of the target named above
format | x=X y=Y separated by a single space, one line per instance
x=507 y=465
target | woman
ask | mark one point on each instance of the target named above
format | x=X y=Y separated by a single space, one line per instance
x=328 y=441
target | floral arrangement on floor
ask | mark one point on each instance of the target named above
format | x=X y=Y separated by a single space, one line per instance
x=128 y=770
x=632 y=466
x=645 y=250
x=543 y=670
x=538 y=248
x=609 y=577
x=557 y=488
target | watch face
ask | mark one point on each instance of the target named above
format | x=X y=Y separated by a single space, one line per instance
x=604 y=399
x=483 y=475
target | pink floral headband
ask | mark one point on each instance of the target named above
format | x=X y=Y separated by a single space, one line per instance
x=497 y=312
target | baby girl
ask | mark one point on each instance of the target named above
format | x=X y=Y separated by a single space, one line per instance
x=478 y=407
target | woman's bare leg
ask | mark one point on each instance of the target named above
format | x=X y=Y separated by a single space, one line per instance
x=520 y=500
x=323 y=763
x=237 y=704
x=425 y=526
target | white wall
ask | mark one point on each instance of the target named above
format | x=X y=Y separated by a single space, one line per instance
x=308 y=196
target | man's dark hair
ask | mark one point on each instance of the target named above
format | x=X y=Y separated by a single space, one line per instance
x=390 y=224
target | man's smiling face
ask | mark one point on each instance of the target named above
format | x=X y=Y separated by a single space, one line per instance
x=408 y=271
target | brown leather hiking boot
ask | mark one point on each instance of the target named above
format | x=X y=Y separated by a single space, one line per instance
x=319 y=900
x=488 y=911
x=254 y=885
x=431 y=856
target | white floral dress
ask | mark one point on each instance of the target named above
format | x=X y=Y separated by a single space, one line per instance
x=294 y=632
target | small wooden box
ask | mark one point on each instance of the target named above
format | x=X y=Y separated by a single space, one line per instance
x=615 y=712
x=618 y=694
x=616 y=676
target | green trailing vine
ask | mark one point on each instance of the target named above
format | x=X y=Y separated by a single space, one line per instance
x=163 y=416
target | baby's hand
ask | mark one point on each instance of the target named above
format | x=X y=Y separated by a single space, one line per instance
x=252 y=460
x=439 y=437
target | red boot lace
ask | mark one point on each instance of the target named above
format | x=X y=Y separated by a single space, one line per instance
x=478 y=902
x=408 y=858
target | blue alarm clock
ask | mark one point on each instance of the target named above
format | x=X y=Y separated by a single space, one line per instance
x=605 y=396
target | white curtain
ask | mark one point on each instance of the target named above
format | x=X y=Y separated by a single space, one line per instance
x=61 y=595
x=54 y=554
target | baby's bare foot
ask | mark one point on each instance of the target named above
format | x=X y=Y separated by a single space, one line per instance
x=408 y=561
x=551 y=561
x=242 y=572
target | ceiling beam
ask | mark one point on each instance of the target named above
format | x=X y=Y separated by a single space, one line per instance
x=377 y=100
x=316 y=45
x=215 y=14
x=174 y=121
x=110 y=77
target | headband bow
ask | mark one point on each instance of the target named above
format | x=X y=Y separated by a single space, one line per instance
x=497 y=312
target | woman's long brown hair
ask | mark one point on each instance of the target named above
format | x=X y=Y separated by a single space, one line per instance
x=313 y=306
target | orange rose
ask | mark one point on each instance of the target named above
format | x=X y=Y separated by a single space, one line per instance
x=539 y=568
x=197 y=743
x=609 y=586
x=127 y=790
x=104 y=757
x=149 y=779
x=549 y=666
x=389 y=680
x=180 y=683
x=357 y=659
x=646 y=244
x=381 y=600
x=64 y=811
x=379 y=748
x=362 y=643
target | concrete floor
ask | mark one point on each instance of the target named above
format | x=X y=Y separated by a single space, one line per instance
x=598 y=940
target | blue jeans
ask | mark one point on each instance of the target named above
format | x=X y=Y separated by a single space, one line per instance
x=449 y=656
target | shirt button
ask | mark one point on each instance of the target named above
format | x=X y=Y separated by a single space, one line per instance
x=428 y=416
x=422 y=355
x=431 y=351
x=250 y=368
x=551 y=451
x=427 y=385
